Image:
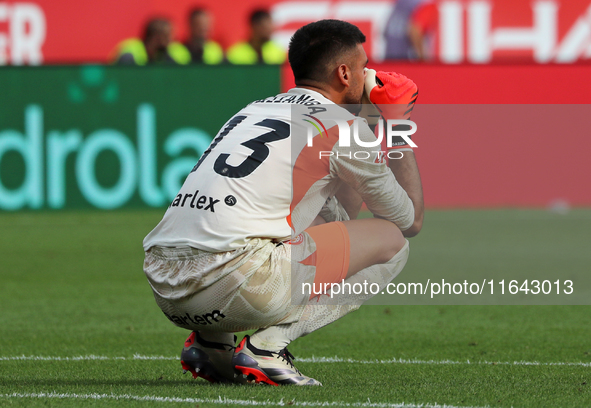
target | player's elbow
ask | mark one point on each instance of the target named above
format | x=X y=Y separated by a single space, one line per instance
x=413 y=230
x=416 y=226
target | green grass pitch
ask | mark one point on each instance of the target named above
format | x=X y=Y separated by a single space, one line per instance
x=79 y=326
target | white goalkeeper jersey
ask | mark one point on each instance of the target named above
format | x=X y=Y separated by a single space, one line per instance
x=269 y=171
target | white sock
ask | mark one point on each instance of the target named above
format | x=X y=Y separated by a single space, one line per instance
x=322 y=311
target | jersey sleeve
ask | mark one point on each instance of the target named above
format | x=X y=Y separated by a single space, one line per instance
x=372 y=179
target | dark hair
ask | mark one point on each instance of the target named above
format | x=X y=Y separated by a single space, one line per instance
x=314 y=46
x=195 y=12
x=258 y=15
x=155 y=26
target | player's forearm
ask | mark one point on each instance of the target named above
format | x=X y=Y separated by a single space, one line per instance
x=407 y=174
x=378 y=188
x=385 y=197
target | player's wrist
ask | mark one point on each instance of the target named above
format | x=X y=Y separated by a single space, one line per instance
x=399 y=143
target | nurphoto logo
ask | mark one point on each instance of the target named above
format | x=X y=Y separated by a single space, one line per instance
x=348 y=134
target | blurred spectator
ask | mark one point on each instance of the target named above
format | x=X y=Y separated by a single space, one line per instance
x=259 y=48
x=202 y=49
x=409 y=30
x=156 y=47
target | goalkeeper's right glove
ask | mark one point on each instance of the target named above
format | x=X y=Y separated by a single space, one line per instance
x=393 y=95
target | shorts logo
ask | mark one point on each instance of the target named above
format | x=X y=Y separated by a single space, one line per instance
x=297 y=240
x=202 y=320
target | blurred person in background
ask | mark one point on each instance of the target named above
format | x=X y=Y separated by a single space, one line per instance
x=259 y=48
x=156 y=47
x=202 y=48
x=410 y=29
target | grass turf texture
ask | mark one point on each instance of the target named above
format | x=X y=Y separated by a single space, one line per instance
x=71 y=285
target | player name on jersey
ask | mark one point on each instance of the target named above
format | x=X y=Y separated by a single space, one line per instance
x=297 y=99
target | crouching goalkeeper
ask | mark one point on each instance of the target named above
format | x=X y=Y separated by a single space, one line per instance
x=263 y=213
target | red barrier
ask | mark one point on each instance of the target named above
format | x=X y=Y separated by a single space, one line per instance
x=35 y=31
x=504 y=155
x=529 y=83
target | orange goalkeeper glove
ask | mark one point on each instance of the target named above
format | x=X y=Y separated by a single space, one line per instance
x=393 y=96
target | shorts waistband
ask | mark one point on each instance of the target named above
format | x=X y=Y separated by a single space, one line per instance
x=175 y=252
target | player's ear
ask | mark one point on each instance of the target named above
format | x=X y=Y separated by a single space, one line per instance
x=344 y=74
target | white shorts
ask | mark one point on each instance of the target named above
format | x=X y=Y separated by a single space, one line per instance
x=245 y=289
x=250 y=288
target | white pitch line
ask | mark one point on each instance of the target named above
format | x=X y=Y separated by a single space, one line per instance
x=227 y=401
x=335 y=359
x=82 y=358
x=437 y=362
